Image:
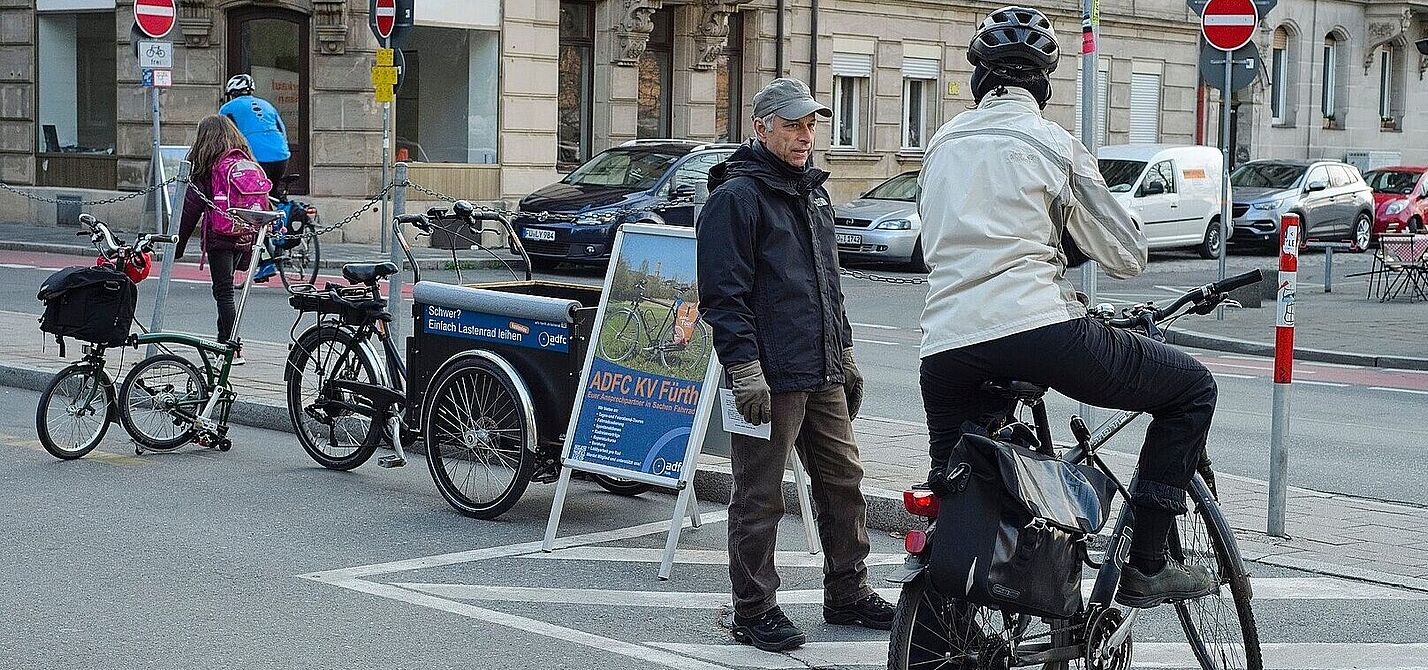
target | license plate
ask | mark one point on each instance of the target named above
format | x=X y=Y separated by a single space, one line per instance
x=539 y=235
x=854 y=240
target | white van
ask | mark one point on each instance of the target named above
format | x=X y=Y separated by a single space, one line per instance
x=1173 y=192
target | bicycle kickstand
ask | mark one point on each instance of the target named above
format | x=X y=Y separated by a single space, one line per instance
x=394 y=429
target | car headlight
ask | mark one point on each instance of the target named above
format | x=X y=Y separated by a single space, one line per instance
x=895 y=224
x=1270 y=205
x=1395 y=207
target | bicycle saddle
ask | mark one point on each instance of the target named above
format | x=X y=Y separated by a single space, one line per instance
x=256 y=218
x=1012 y=389
x=368 y=273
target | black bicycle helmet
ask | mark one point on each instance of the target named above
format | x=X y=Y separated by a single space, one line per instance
x=1015 y=39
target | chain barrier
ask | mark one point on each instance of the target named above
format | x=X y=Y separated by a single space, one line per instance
x=868 y=276
x=109 y=201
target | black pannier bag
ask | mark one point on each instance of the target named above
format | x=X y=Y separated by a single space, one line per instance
x=92 y=304
x=1012 y=525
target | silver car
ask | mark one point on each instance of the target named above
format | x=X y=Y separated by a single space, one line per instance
x=882 y=225
x=1332 y=201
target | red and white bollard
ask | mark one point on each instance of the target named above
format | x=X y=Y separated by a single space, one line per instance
x=1283 y=371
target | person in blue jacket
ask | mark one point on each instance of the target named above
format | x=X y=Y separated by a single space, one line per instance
x=260 y=123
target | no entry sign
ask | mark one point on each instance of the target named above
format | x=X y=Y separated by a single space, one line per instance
x=154 y=17
x=385 y=17
x=1229 y=24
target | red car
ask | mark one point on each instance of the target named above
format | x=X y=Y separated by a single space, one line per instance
x=1400 y=197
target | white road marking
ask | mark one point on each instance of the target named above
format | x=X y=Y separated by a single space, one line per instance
x=877 y=326
x=1277 y=656
x=1385 y=388
x=1314 y=383
x=1231 y=375
x=866 y=341
x=900 y=422
x=783 y=559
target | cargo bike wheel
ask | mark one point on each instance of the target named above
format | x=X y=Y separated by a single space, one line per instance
x=479 y=432
x=74 y=411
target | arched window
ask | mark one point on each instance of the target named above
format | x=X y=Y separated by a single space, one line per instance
x=1333 y=79
x=1283 y=71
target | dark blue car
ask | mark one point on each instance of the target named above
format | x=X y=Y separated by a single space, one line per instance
x=633 y=175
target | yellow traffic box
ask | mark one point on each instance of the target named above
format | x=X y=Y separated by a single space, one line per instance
x=384 y=76
x=385 y=57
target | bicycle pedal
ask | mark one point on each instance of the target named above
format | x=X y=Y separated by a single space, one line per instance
x=391 y=461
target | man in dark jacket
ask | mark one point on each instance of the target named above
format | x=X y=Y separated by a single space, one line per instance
x=769 y=290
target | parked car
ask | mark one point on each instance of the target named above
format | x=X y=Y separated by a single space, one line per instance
x=1400 y=199
x=1332 y=201
x=1172 y=191
x=882 y=224
x=634 y=175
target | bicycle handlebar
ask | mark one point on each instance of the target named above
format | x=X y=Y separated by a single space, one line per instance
x=1193 y=296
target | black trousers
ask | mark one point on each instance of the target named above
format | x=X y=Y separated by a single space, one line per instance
x=221 y=266
x=275 y=170
x=1091 y=363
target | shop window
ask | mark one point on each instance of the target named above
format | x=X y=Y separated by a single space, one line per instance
x=447 y=110
x=272 y=45
x=77 y=94
x=577 y=63
x=657 y=78
x=729 y=84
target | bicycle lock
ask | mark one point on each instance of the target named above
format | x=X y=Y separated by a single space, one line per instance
x=1289 y=232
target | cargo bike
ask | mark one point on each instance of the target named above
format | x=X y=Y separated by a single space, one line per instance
x=487 y=386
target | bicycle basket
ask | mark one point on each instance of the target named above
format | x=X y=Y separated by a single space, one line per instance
x=1011 y=529
x=91 y=304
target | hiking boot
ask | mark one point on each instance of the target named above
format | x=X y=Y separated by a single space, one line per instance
x=1176 y=581
x=870 y=612
x=770 y=631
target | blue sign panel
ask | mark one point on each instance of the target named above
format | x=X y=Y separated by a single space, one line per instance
x=454 y=322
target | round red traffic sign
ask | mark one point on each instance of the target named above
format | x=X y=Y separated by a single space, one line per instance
x=1229 y=24
x=386 y=17
x=154 y=17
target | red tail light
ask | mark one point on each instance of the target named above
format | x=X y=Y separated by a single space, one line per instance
x=311 y=211
x=920 y=503
x=914 y=542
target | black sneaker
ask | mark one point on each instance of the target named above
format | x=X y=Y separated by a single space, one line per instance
x=770 y=631
x=870 y=612
x=1176 y=581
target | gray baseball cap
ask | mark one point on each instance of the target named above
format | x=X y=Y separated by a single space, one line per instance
x=789 y=99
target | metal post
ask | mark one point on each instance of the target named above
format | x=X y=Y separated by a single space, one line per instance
x=1225 y=208
x=1090 y=78
x=1329 y=269
x=394 y=283
x=166 y=267
x=1283 y=373
x=161 y=206
x=386 y=158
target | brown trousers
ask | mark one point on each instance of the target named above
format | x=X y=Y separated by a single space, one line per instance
x=818 y=426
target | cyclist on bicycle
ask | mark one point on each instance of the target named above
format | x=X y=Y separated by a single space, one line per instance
x=1002 y=189
x=260 y=124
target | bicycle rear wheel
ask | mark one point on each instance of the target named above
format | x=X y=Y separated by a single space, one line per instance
x=159 y=399
x=934 y=632
x=1220 y=627
x=299 y=265
x=476 y=431
x=623 y=335
x=74 y=411
x=333 y=435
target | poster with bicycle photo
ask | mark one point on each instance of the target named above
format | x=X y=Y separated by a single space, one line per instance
x=642 y=407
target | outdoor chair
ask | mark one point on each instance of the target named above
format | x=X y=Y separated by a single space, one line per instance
x=1399 y=266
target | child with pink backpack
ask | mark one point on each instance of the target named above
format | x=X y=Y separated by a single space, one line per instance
x=225 y=172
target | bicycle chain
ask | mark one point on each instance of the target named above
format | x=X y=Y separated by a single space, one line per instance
x=109 y=201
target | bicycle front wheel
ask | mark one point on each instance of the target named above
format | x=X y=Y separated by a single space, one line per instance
x=475 y=430
x=159 y=399
x=329 y=431
x=74 y=411
x=1220 y=627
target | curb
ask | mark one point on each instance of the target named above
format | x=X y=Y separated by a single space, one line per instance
x=1188 y=338
x=714 y=482
x=324 y=264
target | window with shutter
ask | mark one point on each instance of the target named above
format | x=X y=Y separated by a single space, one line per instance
x=1145 y=108
x=1103 y=104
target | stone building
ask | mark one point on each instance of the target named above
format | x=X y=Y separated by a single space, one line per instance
x=499 y=97
x=1341 y=81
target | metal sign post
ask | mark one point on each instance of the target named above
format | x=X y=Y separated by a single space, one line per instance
x=1283 y=372
x=1090 y=83
x=155 y=18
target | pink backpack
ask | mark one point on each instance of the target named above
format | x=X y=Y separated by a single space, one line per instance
x=237 y=181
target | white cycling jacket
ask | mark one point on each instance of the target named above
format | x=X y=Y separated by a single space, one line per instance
x=1000 y=186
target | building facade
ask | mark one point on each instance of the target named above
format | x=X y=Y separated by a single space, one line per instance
x=1341 y=81
x=500 y=97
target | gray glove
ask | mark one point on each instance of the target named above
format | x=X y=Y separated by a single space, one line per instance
x=852 y=383
x=752 y=396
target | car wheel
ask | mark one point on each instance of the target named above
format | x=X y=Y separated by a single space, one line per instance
x=1363 y=233
x=918 y=261
x=1210 y=246
x=1415 y=225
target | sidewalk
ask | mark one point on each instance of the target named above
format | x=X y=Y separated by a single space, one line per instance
x=64 y=240
x=1334 y=535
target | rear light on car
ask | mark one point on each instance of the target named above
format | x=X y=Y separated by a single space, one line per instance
x=915 y=542
x=920 y=503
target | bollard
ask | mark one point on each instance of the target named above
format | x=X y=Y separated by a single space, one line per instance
x=1329 y=269
x=394 y=283
x=1283 y=373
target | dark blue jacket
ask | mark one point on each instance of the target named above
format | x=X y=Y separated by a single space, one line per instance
x=768 y=271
